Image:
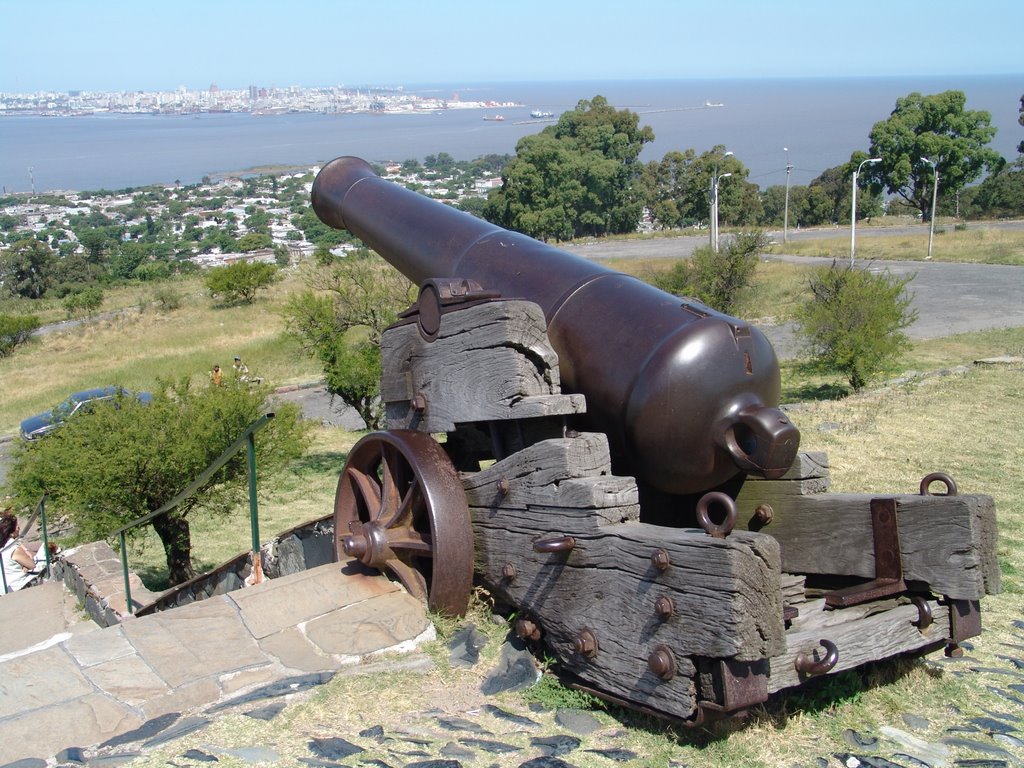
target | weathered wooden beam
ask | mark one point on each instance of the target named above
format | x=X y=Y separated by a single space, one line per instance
x=861 y=634
x=946 y=542
x=490 y=362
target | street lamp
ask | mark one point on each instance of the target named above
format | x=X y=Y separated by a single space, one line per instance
x=713 y=217
x=717 y=180
x=853 y=206
x=785 y=216
x=935 y=198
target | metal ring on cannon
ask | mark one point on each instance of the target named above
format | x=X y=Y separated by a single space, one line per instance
x=938 y=477
x=807 y=665
x=720 y=530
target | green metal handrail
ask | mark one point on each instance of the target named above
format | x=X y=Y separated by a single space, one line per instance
x=247 y=439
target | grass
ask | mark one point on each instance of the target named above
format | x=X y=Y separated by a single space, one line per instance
x=137 y=347
x=970 y=245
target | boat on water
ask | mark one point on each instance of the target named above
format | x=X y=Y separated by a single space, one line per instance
x=713 y=103
x=539 y=114
x=494 y=118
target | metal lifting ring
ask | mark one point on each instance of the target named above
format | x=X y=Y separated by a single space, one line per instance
x=807 y=665
x=723 y=529
x=938 y=477
x=924 y=612
x=400 y=508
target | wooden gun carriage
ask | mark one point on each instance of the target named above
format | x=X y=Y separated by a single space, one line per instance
x=609 y=461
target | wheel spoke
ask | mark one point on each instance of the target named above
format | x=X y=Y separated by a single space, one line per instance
x=367 y=490
x=405 y=512
x=414 y=581
x=411 y=541
x=391 y=473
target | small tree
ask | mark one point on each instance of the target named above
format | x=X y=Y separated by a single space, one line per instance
x=15 y=330
x=853 y=323
x=240 y=281
x=121 y=461
x=717 y=279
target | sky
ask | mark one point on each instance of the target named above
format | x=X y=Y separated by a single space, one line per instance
x=124 y=45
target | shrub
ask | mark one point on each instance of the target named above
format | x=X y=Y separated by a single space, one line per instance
x=853 y=323
x=16 y=330
x=717 y=279
x=85 y=301
x=240 y=281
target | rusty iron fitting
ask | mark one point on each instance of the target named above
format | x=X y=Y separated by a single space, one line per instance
x=419 y=402
x=938 y=477
x=720 y=530
x=664 y=607
x=585 y=644
x=662 y=662
x=661 y=560
x=504 y=486
x=954 y=651
x=527 y=630
x=806 y=664
x=559 y=544
x=764 y=514
x=924 y=613
x=509 y=572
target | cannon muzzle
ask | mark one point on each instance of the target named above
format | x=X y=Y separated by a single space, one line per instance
x=687 y=396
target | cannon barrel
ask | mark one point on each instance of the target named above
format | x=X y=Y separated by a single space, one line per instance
x=687 y=396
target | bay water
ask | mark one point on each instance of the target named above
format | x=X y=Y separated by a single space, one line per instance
x=820 y=121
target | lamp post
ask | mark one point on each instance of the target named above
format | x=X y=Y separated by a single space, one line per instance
x=713 y=217
x=785 y=215
x=853 y=206
x=935 y=198
x=717 y=180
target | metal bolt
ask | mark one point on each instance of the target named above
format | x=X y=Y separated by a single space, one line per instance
x=354 y=546
x=764 y=514
x=527 y=630
x=661 y=560
x=662 y=663
x=585 y=644
x=508 y=572
x=664 y=607
x=419 y=402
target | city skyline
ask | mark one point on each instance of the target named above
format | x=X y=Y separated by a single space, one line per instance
x=63 y=45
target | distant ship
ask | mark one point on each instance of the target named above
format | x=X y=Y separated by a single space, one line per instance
x=494 y=118
x=713 y=104
x=538 y=114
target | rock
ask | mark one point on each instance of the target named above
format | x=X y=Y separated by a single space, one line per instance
x=546 y=761
x=830 y=426
x=618 y=755
x=461 y=724
x=254 y=754
x=854 y=739
x=982 y=763
x=997 y=671
x=516 y=670
x=451 y=749
x=502 y=714
x=494 y=747
x=27 y=762
x=1005 y=738
x=375 y=762
x=269 y=712
x=435 y=764
x=553 y=746
x=465 y=646
x=118 y=759
x=145 y=731
x=333 y=748
x=912 y=761
x=1008 y=696
x=992 y=725
x=978 y=746
x=1002 y=716
x=71 y=755
x=867 y=761
x=963 y=729
x=199 y=756
x=933 y=754
x=373 y=732
x=1018 y=663
x=577 y=721
x=916 y=722
x=290 y=685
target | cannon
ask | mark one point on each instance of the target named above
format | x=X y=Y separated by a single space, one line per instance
x=610 y=462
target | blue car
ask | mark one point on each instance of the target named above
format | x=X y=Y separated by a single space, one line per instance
x=44 y=423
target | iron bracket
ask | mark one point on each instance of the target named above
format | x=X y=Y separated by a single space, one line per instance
x=888 y=579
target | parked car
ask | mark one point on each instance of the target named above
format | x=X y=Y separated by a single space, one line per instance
x=44 y=423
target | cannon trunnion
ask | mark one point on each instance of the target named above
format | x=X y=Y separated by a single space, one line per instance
x=747 y=592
